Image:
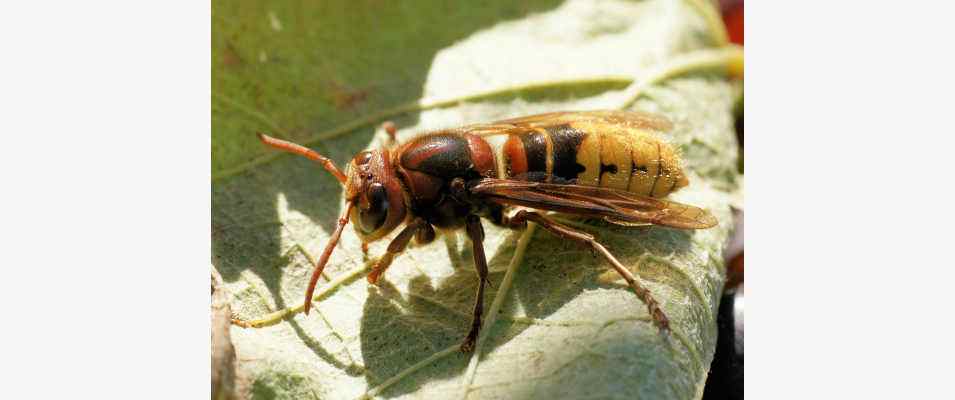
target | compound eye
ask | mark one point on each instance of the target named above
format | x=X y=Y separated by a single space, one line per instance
x=362 y=158
x=371 y=218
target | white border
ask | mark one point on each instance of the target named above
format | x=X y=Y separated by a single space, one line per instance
x=106 y=200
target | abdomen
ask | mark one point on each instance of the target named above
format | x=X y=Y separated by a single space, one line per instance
x=594 y=153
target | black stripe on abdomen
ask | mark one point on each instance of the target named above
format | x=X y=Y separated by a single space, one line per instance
x=535 y=149
x=566 y=141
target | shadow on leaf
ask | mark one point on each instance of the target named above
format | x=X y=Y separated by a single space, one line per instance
x=401 y=328
x=305 y=86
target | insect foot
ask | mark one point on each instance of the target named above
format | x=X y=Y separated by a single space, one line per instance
x=467 y=345
x=659 y=318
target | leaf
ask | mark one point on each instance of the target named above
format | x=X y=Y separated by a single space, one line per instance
x=223 y=353
x=562 y=327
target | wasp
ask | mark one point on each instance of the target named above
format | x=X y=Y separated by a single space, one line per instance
x=611 y=165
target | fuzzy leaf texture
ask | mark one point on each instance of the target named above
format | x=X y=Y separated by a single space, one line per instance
x=322 y=73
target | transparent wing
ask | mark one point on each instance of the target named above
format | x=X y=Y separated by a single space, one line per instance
x=636 y=119
x=615 y=206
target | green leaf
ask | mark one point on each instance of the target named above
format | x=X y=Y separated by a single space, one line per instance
x=562 y=326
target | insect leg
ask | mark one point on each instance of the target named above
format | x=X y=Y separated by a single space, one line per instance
x=520 y=219
x=476 y=233
x=396 y=246
x=425 y=235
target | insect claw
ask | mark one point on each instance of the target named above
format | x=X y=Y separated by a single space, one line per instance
x=468 y=345
x=235 y=320
x=488 y=283
x=661 y=321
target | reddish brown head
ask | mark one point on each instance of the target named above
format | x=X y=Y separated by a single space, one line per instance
x=375 y=198
x=378 y=196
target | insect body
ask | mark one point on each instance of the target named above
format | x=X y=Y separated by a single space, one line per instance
x=608 y=149
x=605 y=164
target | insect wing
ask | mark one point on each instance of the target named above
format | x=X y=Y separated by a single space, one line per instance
x=520 y=125
x=636 y=119
x=615 y=206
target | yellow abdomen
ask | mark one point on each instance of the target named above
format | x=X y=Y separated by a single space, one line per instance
x=627 y=158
